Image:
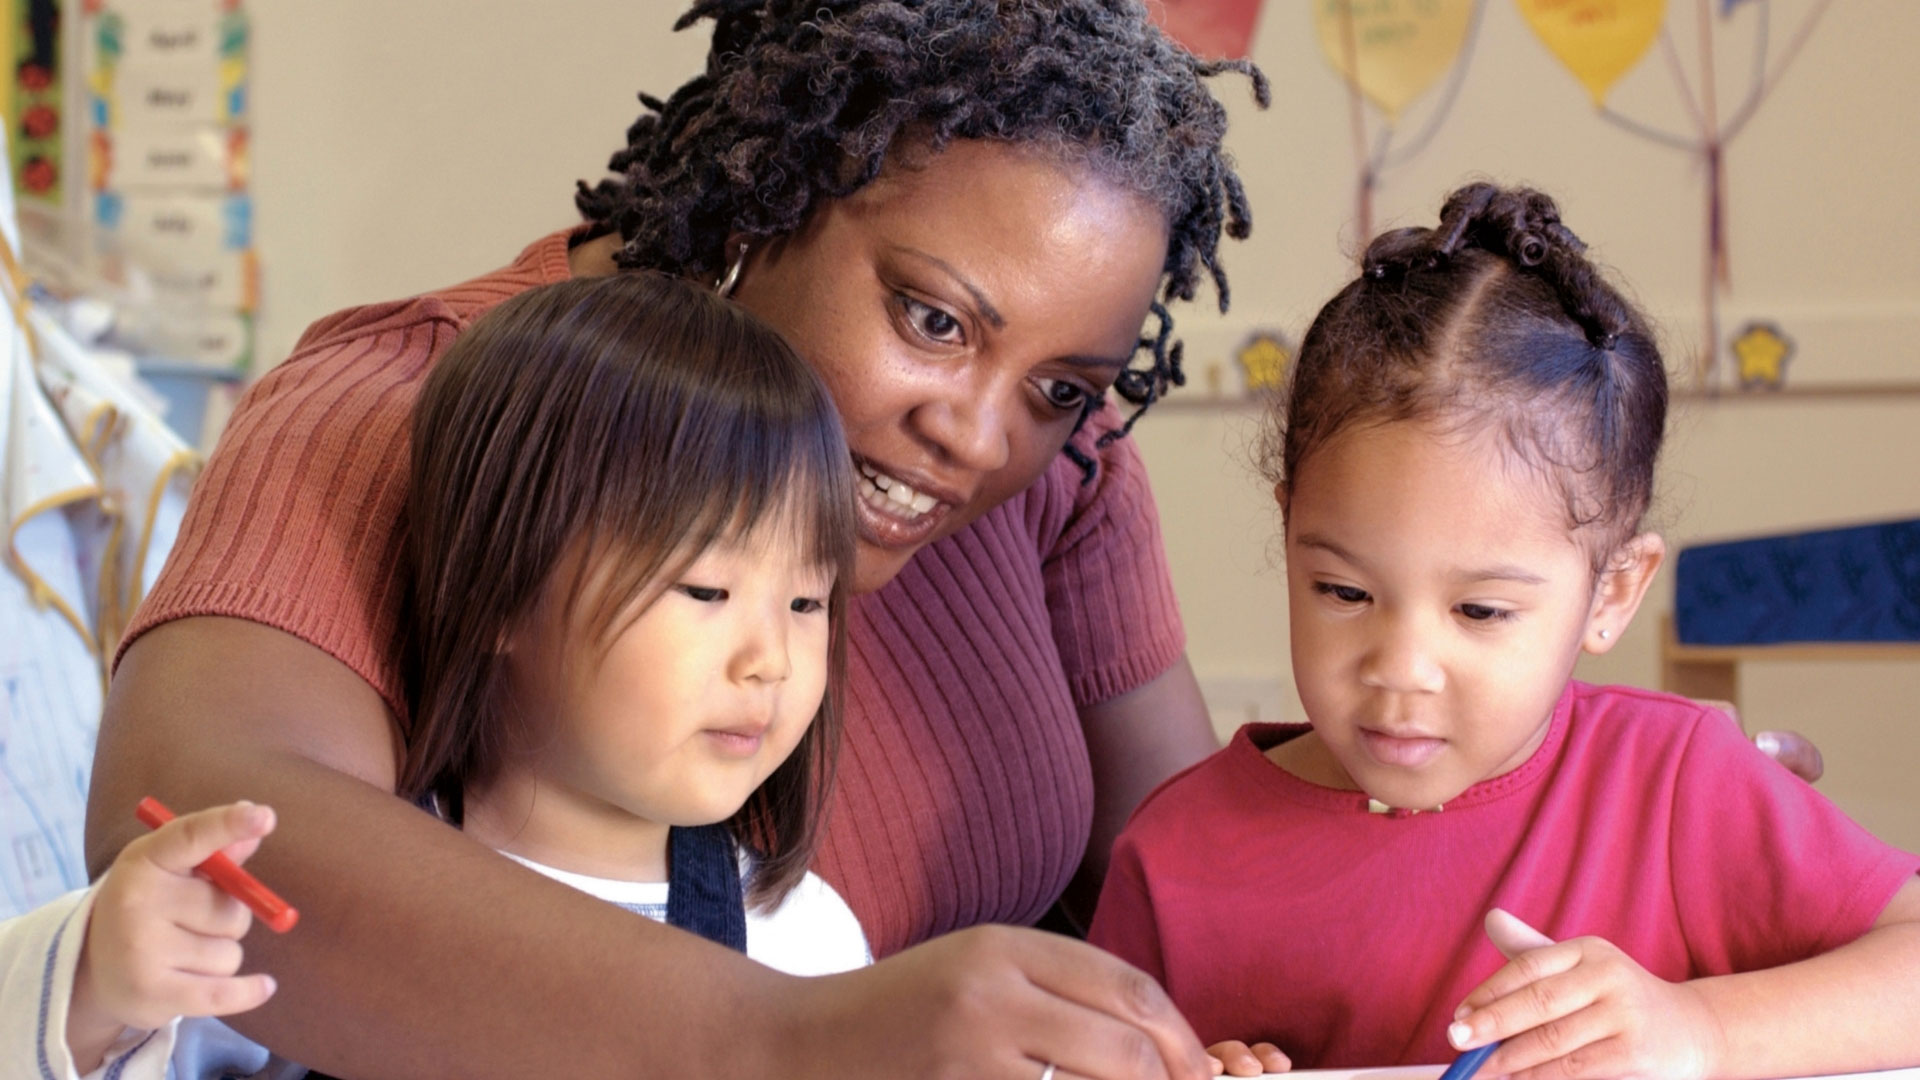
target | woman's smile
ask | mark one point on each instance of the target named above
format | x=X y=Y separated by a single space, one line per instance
x=963 y=310
x=897 y=512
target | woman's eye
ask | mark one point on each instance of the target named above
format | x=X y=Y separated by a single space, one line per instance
x=703 y=593
x=807 y=605
x=930 y=322
x=1346 y=594
x=1063 y=395
x=1482 y=613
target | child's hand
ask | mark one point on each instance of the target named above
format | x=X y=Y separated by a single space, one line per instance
x=162 y=942
x=1236 y=1058
x=1582 y=1008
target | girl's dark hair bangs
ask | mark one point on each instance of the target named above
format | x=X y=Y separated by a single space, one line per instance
x=630 y=422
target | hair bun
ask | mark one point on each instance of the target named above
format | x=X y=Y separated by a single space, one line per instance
x=1518 y=223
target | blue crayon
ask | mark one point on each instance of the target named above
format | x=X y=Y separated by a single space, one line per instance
x=1467 y=1064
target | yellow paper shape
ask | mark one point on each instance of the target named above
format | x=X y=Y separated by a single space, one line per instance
x=1392 y=50
x=1762 y=351
x=1598 y=40
x=1263 y=360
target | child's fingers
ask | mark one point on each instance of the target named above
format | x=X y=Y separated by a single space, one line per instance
x=242 y=851
x=187 y=841
x=197 y=954
x=1528 y=967
x=1236 y=1058
x=1272 y=1058
x=1538 y=988
x=1511 y=936
x=1599 y=1057
x=214 y=914
x=222 y=995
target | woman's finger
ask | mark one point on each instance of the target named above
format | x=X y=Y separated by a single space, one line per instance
x=1094 y=1042
x=1126 y=1025
x=1794 y=750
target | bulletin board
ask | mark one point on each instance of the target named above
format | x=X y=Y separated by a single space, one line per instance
x=169 y=172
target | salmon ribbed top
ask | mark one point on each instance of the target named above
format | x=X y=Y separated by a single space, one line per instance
x=964 y=796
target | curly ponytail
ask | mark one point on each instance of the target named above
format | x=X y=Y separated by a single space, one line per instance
x=1496 y=315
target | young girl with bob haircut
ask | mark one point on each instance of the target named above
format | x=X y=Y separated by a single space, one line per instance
x=1463 y=460
x=617 y=675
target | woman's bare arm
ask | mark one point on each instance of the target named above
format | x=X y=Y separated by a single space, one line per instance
x=421 y=953
x=1135 y=741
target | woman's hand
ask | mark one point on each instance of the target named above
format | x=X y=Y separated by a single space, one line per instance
x=162 y=942
x=1235 y=1058
x=1794 y=750
x=1789 y=748
x=1583 y=1008
x=996 y=1003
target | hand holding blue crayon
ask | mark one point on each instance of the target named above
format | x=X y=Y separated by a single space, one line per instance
x=1619 y=1018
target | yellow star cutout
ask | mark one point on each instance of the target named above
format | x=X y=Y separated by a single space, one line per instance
x=1264 y=358
x=1763 y=352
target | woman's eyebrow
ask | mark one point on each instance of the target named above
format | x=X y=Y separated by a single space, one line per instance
x=987 y=310
x=1102 y=363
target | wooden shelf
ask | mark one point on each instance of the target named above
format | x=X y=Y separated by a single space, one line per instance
x=1712 y=672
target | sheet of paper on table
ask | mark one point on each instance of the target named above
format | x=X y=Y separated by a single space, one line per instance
x=1435 y=1071
x=1432 y=1072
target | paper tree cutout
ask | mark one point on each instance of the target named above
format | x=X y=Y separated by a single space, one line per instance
x=1211 y=29
x=1615 y=34
x=1598 y=40
x=1389 y=53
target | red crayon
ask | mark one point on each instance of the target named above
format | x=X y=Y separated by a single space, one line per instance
x=227 y=874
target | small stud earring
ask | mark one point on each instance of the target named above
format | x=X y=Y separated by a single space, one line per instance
x=1605 y=634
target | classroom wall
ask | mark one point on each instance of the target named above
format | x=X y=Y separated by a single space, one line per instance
x=400 y=147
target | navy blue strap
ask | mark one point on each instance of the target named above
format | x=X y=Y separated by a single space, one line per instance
x=704 y=894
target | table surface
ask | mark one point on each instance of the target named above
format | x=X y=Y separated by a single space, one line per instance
x=1435 y=1071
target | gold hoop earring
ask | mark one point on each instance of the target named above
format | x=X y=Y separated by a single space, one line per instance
x=724 y=287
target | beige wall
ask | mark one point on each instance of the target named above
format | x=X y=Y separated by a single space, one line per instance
x=1825 y=239
x=403 y=146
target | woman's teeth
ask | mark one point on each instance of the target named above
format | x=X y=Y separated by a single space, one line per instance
x=886 y=493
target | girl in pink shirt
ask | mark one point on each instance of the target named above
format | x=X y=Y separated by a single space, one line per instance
x=1464 y=459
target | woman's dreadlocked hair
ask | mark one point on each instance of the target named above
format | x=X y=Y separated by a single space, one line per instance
x=802 y=100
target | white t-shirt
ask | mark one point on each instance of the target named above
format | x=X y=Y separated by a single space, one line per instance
x=812 y=932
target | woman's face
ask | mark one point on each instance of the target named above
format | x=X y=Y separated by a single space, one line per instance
x=961 y=309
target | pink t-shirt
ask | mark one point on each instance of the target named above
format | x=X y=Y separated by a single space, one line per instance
x=965 y=794
x=1275 y=909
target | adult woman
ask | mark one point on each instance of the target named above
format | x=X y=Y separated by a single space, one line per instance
x=962 y=213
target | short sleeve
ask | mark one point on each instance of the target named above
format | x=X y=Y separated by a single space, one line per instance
x=812 y=932
x=1766 y=870
x=1109 y=593
x=1123 y=922
x=296 y=521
